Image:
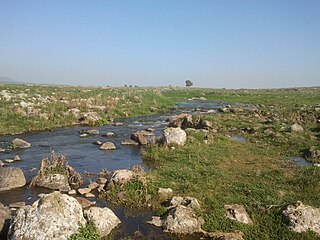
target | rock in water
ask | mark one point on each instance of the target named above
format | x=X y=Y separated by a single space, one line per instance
x=296 y=128
x=139 y=137
x=55 y=182
x=107 y=146
x=5 y=216
x=238 y=213
x=55 y=216
x=302 y=218
x=182 y=121
x=103 y=218
x=19 y=143
x=11 y=178
x=174 y=136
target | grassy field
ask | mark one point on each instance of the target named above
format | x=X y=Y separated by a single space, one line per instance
x=211 y=166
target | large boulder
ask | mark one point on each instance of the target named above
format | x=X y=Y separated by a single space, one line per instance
x=302 y=218
x=11 y=178
x=182 y=121
x=5 y=216
x=103 y=218
x=174 y=136
x=20 y=143
x=238 y=213
x=54 y=216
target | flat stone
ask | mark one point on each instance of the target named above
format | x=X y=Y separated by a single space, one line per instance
x=93 y=185
x=89 y=195
x=129 y=142
x=72 y=192
x=84 y=191
x=17 y=205
x=8 y=160
x=98 y=143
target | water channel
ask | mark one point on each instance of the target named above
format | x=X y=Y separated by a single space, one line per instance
x=85 y=157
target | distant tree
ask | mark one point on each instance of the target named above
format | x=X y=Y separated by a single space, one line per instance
x=188 y=83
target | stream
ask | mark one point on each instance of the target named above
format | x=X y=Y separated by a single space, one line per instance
x=85 y=157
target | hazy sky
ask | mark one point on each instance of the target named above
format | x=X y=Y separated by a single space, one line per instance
x=214 y=43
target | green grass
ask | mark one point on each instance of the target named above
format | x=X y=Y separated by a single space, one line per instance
x=87 y=232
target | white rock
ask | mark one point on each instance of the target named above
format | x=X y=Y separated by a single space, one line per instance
x=107 y=146
x=238 y=213
x=174 y=136
x=103 y=218
x=302 y=218
x=55 y=216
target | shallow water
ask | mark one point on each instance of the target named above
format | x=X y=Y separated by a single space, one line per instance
x=85 y=157
x=300 y=161
x=238 y=138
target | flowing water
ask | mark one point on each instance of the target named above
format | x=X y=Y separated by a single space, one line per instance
x=85 y=157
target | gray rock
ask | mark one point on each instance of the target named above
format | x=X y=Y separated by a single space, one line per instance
x=72 y=192
x=107 y=146
x=190 y=202
x=1 y=163
x=11 y=178
x=54 y=181
x=103 y=218
x=89 y=195
x=122 y=176
x=54 y=216
x=174 y=136
x=311 y=152
x=205 y=124
x=84 y=191
x=182 y=220
x=139 y=137
x=296 y=128
x=129 y=142
x=238 y=213
x=5 y=216
x=165 y=192
x=98 y=143
x=90 y=132
x=16 y=158
x=302 y=218
x=19 y=143
x=182 y=121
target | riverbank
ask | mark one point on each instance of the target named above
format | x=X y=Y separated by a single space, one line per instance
x=235 y=154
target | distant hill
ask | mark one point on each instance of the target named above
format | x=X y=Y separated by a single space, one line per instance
x=7 y=80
